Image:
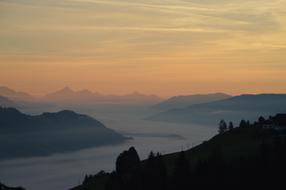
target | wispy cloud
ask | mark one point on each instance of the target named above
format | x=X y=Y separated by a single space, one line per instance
x=60 y=26
x=168 y=45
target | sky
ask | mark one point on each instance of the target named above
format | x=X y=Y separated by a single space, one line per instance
x=163 y=47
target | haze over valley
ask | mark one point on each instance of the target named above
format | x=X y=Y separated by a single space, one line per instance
x=62 y=146
x=142 y=94
x=145 y=121
x=57 y=138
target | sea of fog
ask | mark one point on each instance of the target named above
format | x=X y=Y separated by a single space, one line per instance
x=63 y=171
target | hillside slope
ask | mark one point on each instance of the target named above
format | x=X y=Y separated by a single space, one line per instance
x=177 y=102
x=248 y=156
x=24 y=135
x=248 y=107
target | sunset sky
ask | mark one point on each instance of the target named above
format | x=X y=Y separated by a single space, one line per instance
x=164 y=47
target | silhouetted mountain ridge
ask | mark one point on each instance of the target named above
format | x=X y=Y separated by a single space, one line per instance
x=15 y=95
x=4 y=187
x=70 y=96
x=247 y=106
x=23 y=135
x=246 y=102
x=188 y=100
x=75 y=98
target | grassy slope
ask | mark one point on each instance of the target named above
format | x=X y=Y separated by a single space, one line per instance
x=240 y=142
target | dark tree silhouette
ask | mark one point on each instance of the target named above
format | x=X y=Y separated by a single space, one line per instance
x=261 y=120
x=243 y=123
x=127 y=160
x=230 y=126
x=222 y=127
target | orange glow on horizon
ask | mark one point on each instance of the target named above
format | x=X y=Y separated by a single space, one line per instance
x=164 y=48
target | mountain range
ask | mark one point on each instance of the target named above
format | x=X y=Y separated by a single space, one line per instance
x=15 y=95
x=23 y=135
x=68 y=96
x=176 y=102
x=248 y=107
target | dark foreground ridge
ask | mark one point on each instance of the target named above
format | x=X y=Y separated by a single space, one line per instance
x=24 y=135
x=243 y=157
x=4 y=187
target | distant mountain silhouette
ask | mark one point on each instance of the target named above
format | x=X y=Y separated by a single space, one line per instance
x=5 y=102
x=137 y=97
x=244 y=106
x=67 y=95
x=15 y=95
x=188 y=100
x=70 y=96
x=24 y=135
